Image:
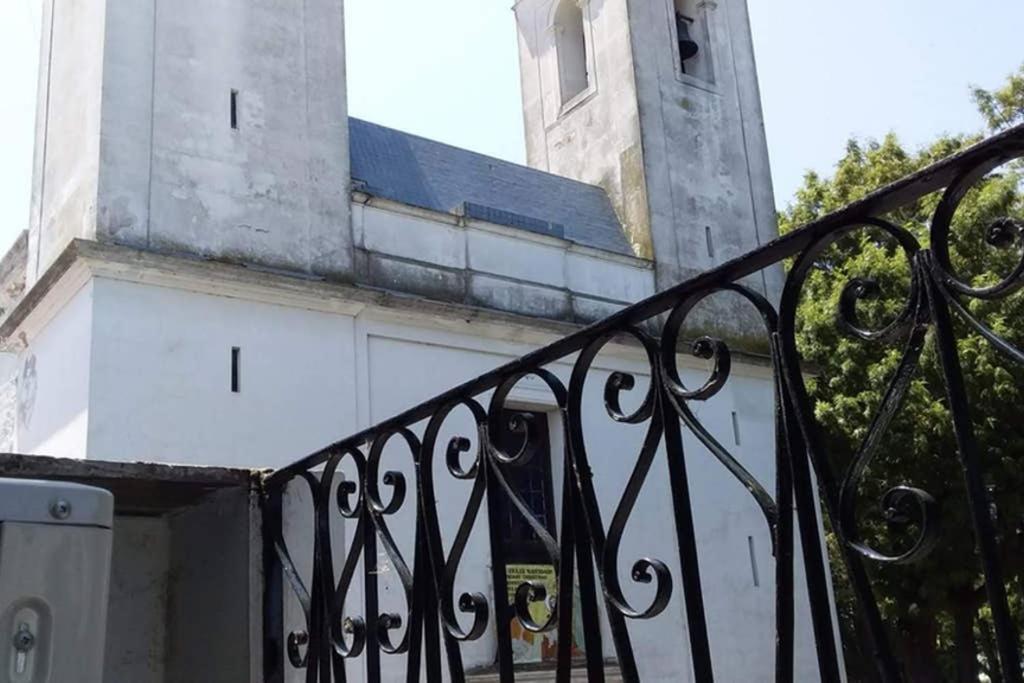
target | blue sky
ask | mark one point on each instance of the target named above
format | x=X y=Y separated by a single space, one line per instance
x=447 y=69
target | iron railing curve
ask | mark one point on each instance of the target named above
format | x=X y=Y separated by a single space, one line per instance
x=434 y=626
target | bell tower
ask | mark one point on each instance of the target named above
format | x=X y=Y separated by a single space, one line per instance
x=657 y=102
x=212 y=128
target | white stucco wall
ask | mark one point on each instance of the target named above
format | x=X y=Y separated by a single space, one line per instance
x=450 y=258
x=156 y=386
x=9 y=368
x=161 y=386
x=402 y=364
x=54 y=382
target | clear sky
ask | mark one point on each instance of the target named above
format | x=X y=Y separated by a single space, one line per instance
x=447 y=69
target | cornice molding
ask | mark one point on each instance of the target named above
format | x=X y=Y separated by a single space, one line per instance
x=84 y=260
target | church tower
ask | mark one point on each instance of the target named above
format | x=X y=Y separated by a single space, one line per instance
x=214 y=128
x=657 y=102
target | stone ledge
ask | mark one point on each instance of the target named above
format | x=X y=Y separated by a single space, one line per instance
x=579 y=673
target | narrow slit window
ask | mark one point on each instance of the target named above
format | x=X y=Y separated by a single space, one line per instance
x=234 y=110
x=708 y=240
x=736 y=427
x=753 y=562
x=236 y=361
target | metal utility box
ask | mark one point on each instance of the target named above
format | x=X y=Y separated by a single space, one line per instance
x=186 y=580
x=55 y=552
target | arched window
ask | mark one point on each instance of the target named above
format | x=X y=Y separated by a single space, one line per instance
x=571 y=44
x=692 y=39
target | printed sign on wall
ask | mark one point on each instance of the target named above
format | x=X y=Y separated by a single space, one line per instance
x=533 y=648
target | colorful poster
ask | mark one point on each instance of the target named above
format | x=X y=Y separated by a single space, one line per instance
x=533 y=648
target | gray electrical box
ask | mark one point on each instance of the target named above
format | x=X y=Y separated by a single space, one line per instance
x=55 y=545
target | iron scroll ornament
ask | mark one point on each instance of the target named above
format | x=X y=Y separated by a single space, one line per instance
x=934 y=295
x=440 y=619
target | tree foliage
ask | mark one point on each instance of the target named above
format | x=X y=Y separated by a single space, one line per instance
x=1002 y=108
x=934 y=608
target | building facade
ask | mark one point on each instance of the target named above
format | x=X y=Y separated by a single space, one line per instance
x=223 y=268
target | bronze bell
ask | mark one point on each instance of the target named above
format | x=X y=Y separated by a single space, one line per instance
x=688 y=48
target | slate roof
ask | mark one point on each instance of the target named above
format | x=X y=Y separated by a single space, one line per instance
x=406 y=168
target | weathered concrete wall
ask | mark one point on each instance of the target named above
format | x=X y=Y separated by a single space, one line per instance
x=12 y=273
x=706 y=157
x=54 y=382
x=136 y=649
x=136 y=143
x=449 y=258
x=684 y=157
x=213 y=617
x=68 y=120
x=9 y=367
x=596 y=137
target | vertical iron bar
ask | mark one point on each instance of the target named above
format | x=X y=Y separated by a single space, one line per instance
x=432 y=640
x=805 y=444
x=700 y=646
x=370 y=599
x=318 y=660
x=574 y=520
x=784 y=589
x=435 y=553
x=815 y=567
x=326 y=652
x=567 y=544
x=273 y=590
x=593 y=647
x=503 y=613
x=590 y=515
x=421 y=592
x=1007 y=639
x=425 y=584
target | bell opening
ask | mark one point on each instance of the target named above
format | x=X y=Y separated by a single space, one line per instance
x=688 y=47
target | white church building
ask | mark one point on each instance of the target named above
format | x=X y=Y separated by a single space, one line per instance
x=222 y=268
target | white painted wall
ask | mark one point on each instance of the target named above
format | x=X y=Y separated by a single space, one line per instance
x=54 y=383
x=128 y=370
x=447 y=257
x=158 y=388
x=161 y=381
x=9 y=368
x=403 y=365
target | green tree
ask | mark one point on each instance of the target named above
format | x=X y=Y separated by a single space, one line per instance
x=1002 y=108
x=935 y=609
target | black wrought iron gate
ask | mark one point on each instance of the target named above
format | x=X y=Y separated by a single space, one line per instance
x=439 y=618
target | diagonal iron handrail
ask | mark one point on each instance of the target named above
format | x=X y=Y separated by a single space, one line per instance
x=879 y=202
x=586 y=550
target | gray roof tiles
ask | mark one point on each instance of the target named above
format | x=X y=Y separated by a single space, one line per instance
x=406 y=168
